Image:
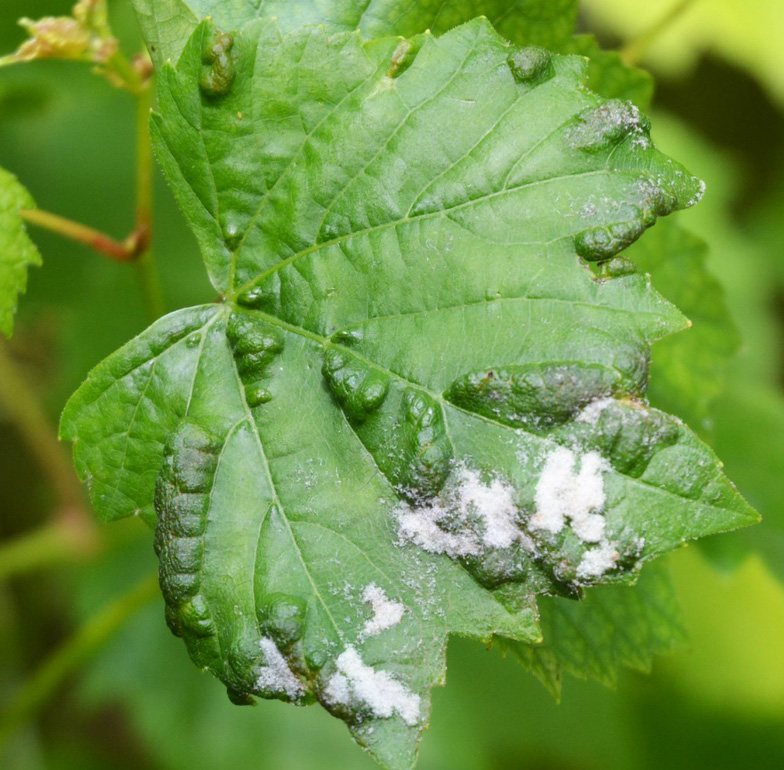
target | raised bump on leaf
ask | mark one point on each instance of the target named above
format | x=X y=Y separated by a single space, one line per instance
x=626 y=433
x=263 y=296
x=536 y=396
x=181 y=503
x=531 y=65
x=255 y=344
x=404 y=56
x=608 y=124
x=360 y=390
x=617 y=267
x=219 y=71
x=426 y=448
x=282 y=617
x=601 y=243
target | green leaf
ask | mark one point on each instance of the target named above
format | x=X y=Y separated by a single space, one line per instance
x=414 y=378
x=17 y=251
x=612 y=628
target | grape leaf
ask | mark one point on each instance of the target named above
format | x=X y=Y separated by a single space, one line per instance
x=413 y=380
x=17 y=251
x=613 y=627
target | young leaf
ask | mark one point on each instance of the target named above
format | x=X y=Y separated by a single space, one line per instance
x=416 y=407
x=17 y=251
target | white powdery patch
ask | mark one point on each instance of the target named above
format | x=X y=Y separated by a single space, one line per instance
x=471 y=503
x=493 y=503
x=590 y=414
x=563 y=494
x=379 y=691
x=421 y=527
x=276 y=674
x=699 y=194
x=597 y=561
x=386 y=613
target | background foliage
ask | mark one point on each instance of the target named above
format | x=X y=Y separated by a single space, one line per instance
x=717 y=702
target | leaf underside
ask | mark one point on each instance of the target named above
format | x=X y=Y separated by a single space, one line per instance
x=17 y=251
x=427 y=351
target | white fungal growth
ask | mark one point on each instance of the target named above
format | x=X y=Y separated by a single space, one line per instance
x=699 y=194
x=493 y=503
x=275 y=675
x=591 y=413
x=565 y=495
x=481 y=516
x=379 y=691
x=386 y=613
x=421 y=527
x=597 y=561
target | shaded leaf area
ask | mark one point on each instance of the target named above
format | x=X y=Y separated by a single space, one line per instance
x=613 y=627
x=386 y=431
x=17 y=251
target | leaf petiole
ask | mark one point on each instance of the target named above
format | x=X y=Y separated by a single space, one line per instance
x=128 y=250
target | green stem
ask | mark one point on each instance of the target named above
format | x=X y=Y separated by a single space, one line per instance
x=26 y=413
x=148 y=271
x=39 y=688
x=95 y=239
x=633 y=51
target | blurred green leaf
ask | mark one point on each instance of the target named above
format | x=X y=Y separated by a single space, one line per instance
x=749 y=436
x=608 y=74
x=689 y=368
x=17 y=251
x=611 y=628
